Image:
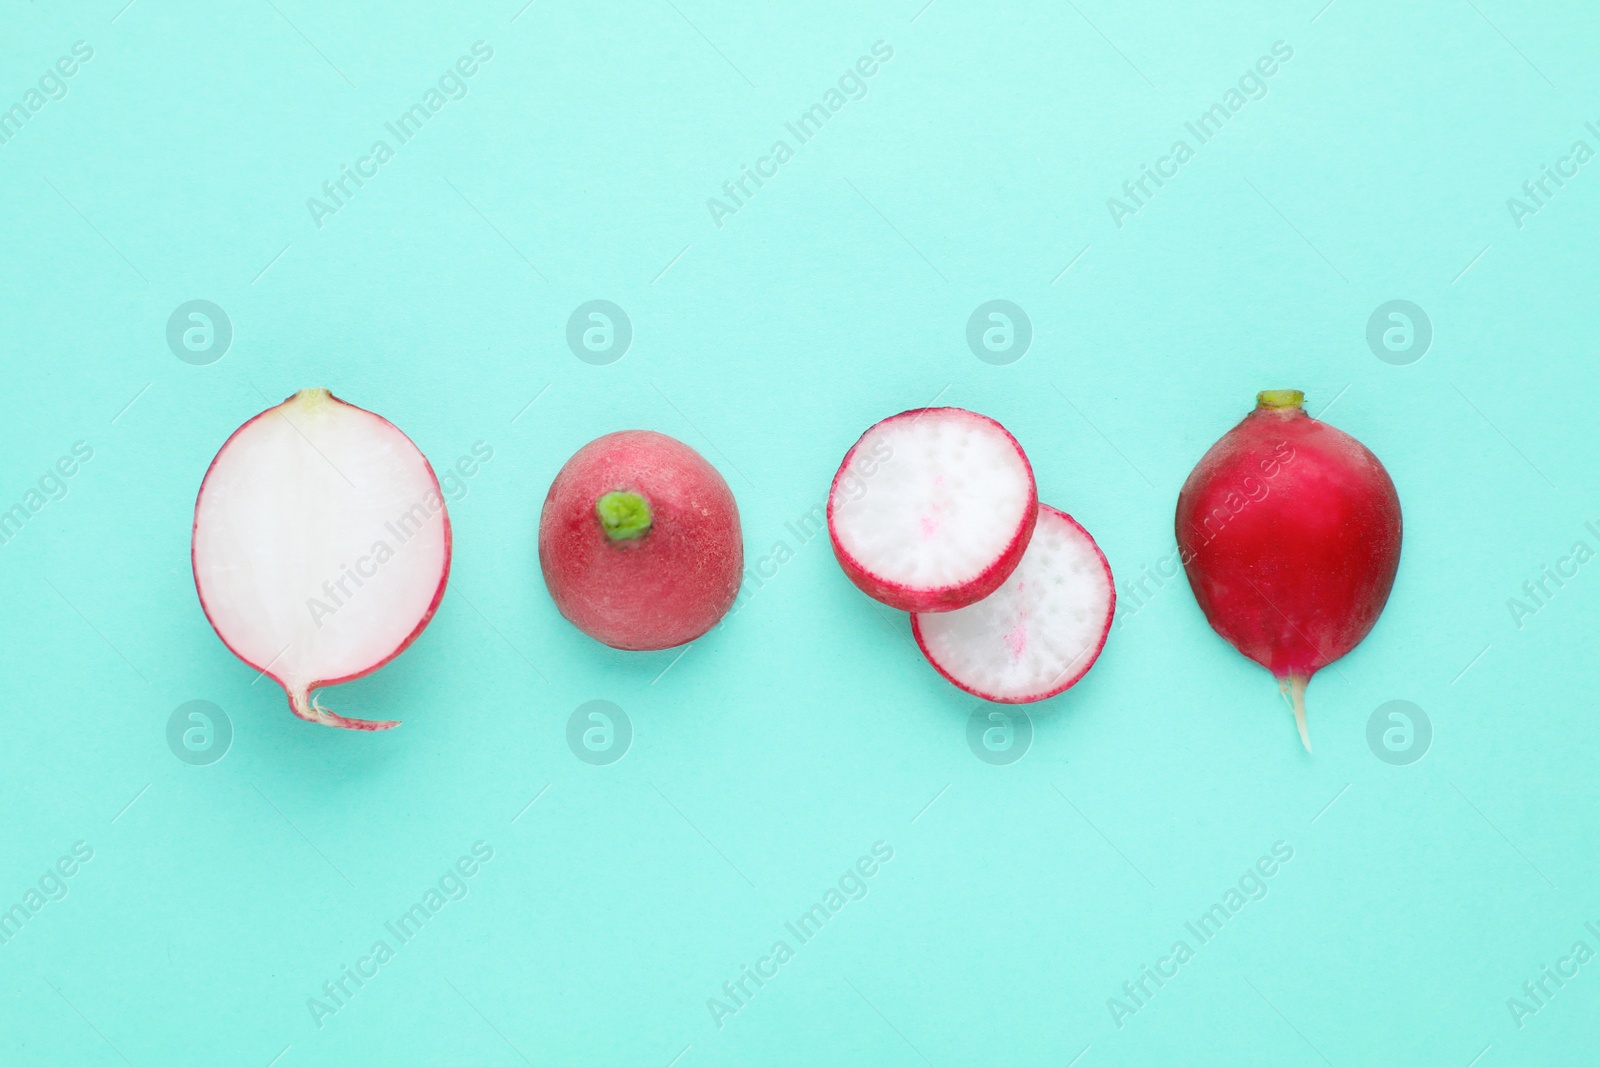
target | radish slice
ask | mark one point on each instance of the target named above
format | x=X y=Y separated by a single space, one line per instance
x=932 y=509
x=321 y=546
x=1040 y=632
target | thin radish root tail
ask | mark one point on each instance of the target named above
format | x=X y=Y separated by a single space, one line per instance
x=1294 y=688
x=309 y=708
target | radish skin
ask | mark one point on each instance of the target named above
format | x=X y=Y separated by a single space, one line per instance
x=640 y=542
x=1289 y=531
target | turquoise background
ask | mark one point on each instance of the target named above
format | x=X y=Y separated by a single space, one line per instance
x=777 y=750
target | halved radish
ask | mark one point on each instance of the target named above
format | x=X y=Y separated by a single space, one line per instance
x=1039 y=632
x=932 y=509
x=321 y=546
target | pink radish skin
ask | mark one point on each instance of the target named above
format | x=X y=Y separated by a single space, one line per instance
x=640 y=542
x=1289 y=530
x=932 y=509
x=1040 y=632
x=286 y=549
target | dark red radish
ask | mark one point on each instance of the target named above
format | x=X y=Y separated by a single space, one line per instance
x=1289 y=530
x=932 y=509
x=321 y=546
x=1040 y=632
x=640 y=541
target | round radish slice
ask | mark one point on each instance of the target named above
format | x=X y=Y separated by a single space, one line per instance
x=321 y=546
x=1039 y=632
x=932 y=509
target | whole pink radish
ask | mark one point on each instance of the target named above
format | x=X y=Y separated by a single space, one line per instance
x=1289 y=530
x=321 y=546
x=640 y=542
x=932 y=509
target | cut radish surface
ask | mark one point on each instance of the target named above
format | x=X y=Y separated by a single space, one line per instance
x=321 y=546
x=1039 y=632
x=932 y=509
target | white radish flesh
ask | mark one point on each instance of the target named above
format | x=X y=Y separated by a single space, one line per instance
x=932 y=509
x=321 y=546
x=1040 y=632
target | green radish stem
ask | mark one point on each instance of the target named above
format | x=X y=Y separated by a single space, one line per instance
x=1293 y=689
x=1280 y=399
x=624 y=516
